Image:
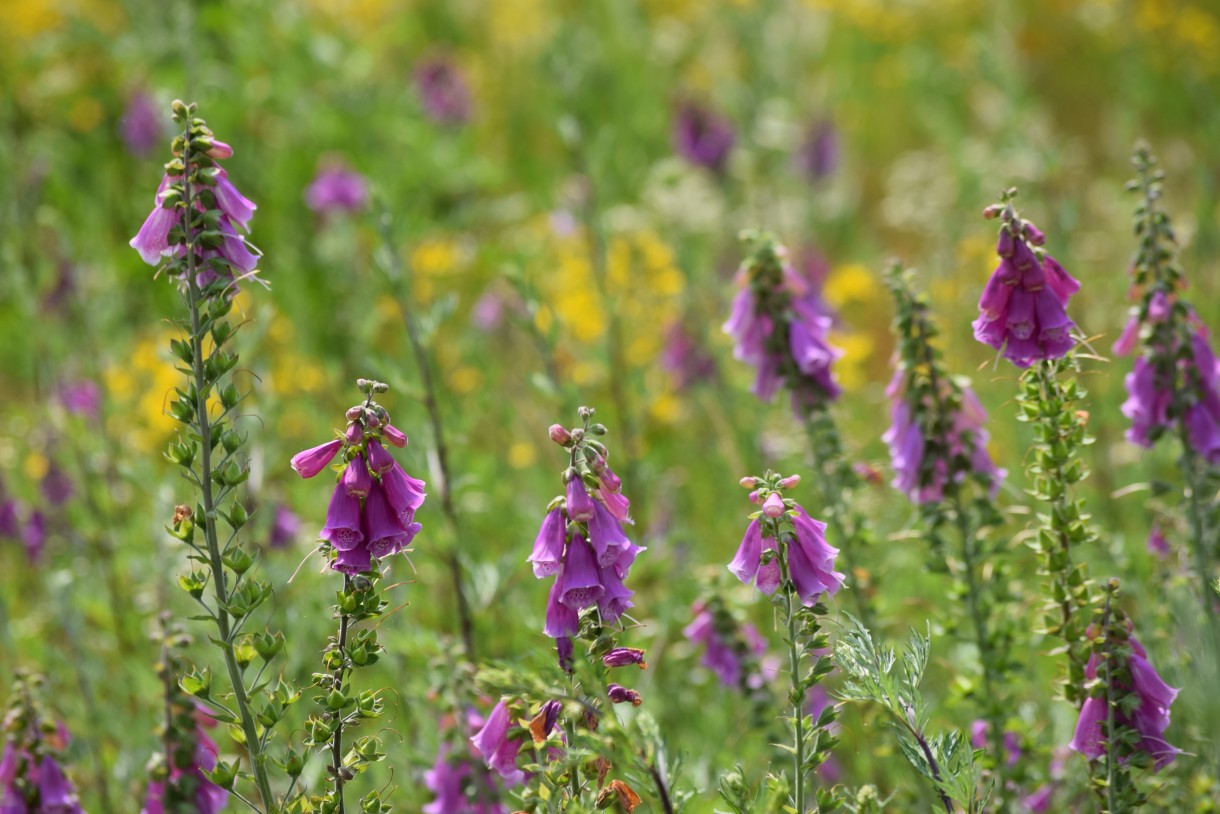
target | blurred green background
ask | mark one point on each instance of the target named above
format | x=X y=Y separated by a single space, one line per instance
x=565 y=161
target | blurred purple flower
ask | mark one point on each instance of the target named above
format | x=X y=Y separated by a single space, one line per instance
x=1149 y=719
x=702 y=136
x=488 y=311
x=61 y=292
x=907 y=444
x=1157 y=544
x=443 y=91
x=685 y=359
x=450 y=782
x=979 y=731
x=285 y=526
x=82 y=397
x=56 y=486
x=723 y=653
x=141 y=127
x=34 y=536
x=209 y=797
x=818 y=156
x=336 y=189
x=499 y=751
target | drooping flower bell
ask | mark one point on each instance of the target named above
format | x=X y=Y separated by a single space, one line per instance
x=211 y=241
x=497 y=746
x=372 y=510
x=789 y=537
x=582 y=542
x=780 y=327
x=1022 y=308
x=1146 y=712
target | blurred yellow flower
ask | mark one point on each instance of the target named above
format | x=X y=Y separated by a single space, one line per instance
x=36 y=466
x=22 y=20
x=852 y=369
x=521 y=454
x=465 y=379
x=852 y=283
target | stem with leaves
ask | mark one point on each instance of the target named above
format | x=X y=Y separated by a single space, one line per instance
x=394 y=268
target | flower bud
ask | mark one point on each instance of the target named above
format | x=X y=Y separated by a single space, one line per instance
x=394 y=435
x=748 y=483
x=219 y=149
x=559 y=435
x=754 y=498
x=773 y=506
x=354 y=434
x=354 y=413
x=619 y=694
x=790 y=482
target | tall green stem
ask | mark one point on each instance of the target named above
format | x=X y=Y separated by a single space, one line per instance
x=215 y=555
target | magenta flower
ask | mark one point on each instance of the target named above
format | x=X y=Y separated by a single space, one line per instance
x=285 y=526
x=818 y=156
x=618 y=694
x=443 y=92
x=1021 y=310
x=1149 y=719
x=779 y=326
x=579 y=505
x=141 y=127
x=625 y=657
x=34 y=536
x=686 y=361
x=810 y=559
x=499 y=751
x=703 y=137
x=456 y=791
x=209 y=798
x=919 y=477
x=220 y=249
x=1158 y=545
x=82 y=398
x=372 y=510
x=725 y=653
x=336 y=189
x=547 y=555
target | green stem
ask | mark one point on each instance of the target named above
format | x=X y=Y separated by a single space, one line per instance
x=794 y=666
x=1111 y=761
x=215 y=558
x=1198 y=527
x=336 y=744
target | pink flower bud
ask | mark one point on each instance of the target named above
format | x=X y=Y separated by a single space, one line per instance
x=559 y=435
x=310 y=462
x=748 y=483
x=790 y=482
x=354 y=434
x=754 y=498
x=379 y=460
x=394 y=435
x=773 y=506
x=219 y=150
x=354 y=413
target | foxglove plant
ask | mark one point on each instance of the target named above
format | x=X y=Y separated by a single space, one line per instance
x=702 y=136
x=1022 y=308
x=181 y=774
x=32 y=778
x=937 y=444
x=192 y=236
x=371 y=517
x=1123 y=719
x=459 y=781
x=1174 y=388
x=780 y=326
x=785 y=555
x=575 y=734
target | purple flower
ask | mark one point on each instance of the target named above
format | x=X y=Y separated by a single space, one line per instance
x=779 y=325
x=141 y=127
x=684 y=359
x=724 y=653
x=619 y=694
x=810 y=559
x=449 y=780
x=1039 y=801
x=356 y=480
x=819 y=155
x=924 y=481
x=443 y=92
x=82 y=398
x=1021 y=310
x=1157 y=544
x=10 y=518
x=209 y=797
x=1149 y=719
x=547 y=555
x=979 y=731
x=57 y=487
x=1147 y=403
x=310 y=462
x=34 y=536
x=218 y=257
x=581 y=580
x=499 y=751
x=580 y=505
x=625 y=657
x=336 y=189
x=285 y=526
x=343 y=521
x=702 y=136
x=56 y=794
